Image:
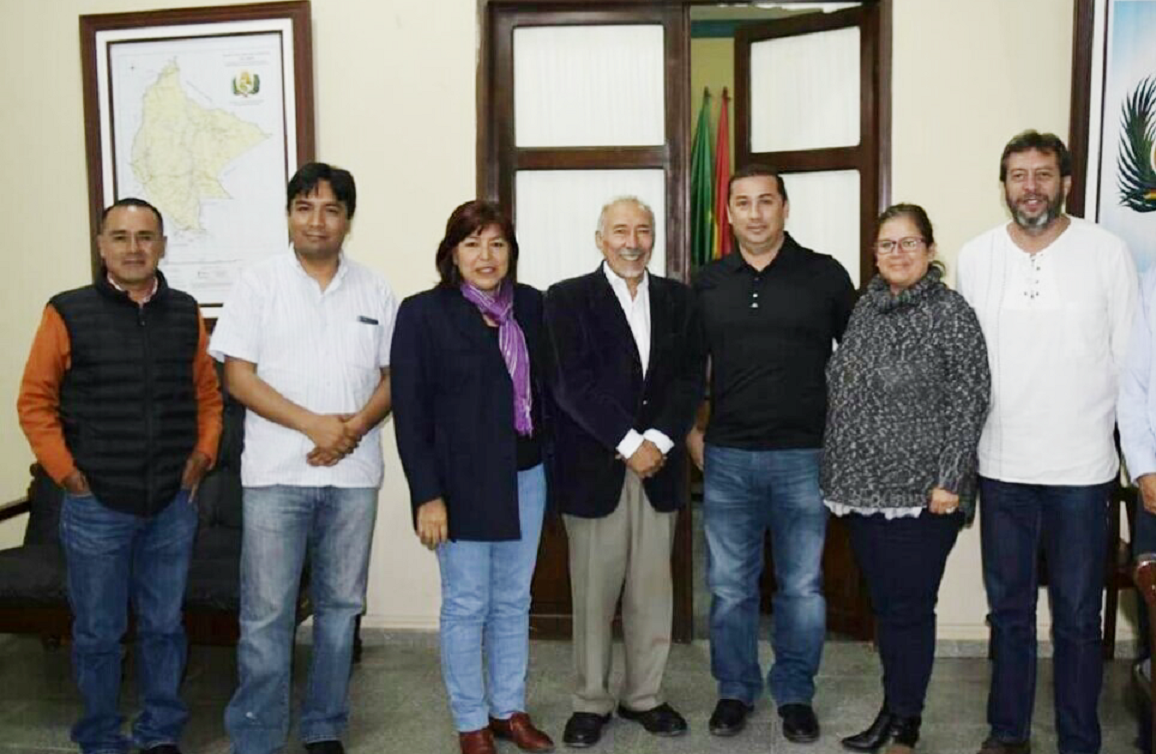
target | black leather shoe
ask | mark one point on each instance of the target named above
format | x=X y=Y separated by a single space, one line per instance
x=583 y=729
x=325 y=747
x=994 y=746
x=729 y=718
x=162 y=749
x=662 y=720
x=799 y=723
x=905 y=730
x=871 y=739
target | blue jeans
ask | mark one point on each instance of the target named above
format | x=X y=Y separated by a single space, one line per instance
x=747 y=492
x=113 y=559
x=486 y=603
x=282 y=523
x=1071 y=524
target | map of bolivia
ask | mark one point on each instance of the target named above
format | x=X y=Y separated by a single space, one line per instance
x=182 y=147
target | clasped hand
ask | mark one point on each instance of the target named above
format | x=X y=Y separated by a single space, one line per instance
x=334 y=437
x=647 y=460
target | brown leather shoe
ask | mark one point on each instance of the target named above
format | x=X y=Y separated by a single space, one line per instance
x=477 y=742
x=522 y=732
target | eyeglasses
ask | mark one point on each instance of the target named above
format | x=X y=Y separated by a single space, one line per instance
x=889 y=246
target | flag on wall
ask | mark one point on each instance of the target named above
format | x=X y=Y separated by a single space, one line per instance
x=721 y=241
x=701 y=189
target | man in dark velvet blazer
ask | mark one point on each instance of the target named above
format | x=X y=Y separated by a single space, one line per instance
x=627 y=370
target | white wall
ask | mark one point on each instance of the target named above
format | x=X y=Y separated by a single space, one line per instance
x=966 y=77
x=395 y=103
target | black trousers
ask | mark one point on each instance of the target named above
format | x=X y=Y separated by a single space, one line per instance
x=902 y=560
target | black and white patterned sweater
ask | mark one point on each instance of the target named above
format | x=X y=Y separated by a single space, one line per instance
x=907 y=394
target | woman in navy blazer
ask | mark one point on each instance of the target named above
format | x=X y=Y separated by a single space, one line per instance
x=468 y=410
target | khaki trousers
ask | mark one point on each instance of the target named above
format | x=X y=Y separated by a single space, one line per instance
x=626 y=552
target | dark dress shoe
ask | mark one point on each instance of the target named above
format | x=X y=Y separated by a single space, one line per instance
x=325 y=747
x=799 y=723
x=662 y=720
x=905 y=730
x=477 y=742
x=162 y=749
x=522 y=732
x=871 y=739
x=584 y=729
x=994 y=746
x=729 y=717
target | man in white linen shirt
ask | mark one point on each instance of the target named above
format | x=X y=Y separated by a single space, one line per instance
x=305 y=338
x=1054 y=295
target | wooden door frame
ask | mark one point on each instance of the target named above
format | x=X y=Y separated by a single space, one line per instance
x=864 y=157
x=493 y=152
x=488 y=153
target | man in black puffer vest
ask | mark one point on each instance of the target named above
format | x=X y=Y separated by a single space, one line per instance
x=121 y=405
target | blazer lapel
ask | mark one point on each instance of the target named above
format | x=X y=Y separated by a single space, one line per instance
x=608 y=312
x=660 y=321
x=466 y=318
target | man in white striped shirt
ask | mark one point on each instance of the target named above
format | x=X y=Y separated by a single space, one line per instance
x=305 y=338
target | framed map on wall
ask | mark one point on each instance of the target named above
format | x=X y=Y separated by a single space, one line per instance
x=205 y=113
x=1113 y=126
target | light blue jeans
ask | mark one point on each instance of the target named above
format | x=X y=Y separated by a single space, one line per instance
x=486 y=605
x=747 y=492
x=113 y=559
x=335 y=526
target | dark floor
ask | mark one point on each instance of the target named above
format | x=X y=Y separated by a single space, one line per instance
x=399 y=702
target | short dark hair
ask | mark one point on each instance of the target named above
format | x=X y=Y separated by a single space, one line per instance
x=913 y=212
x=304 y=182
x=132 y=201
x=755 y=170
x=1032 y=139
x=464 y=221
x=918 y=216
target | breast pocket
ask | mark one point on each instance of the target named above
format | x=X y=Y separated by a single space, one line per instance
x=358 y=346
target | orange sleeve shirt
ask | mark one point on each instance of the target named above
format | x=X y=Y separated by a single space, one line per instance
x=39 y=403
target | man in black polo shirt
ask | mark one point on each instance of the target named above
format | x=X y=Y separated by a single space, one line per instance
x=772 y=312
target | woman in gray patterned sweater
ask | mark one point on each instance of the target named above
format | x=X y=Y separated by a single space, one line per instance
x=908 y=392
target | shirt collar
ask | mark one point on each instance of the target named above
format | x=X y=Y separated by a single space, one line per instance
x=618 y=285
x=148 y=297
x=736 y=263
x=342 y=267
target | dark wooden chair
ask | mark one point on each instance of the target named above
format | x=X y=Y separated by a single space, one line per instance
x=33 y=597
x=1144 y=575
x=1118 y=571
x=1118 y=564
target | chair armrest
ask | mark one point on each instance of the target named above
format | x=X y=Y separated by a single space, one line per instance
x=15 y=508
x=1145 y=575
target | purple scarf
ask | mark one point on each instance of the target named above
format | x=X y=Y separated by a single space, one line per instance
x=512 y=342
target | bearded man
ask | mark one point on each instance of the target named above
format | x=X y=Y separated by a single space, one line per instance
x=1054 y=295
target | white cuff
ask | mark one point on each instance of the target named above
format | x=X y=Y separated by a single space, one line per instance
x=1145 y=466
x=659 y=439
x=630 y=444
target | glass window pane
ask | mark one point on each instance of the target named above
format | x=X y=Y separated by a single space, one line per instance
x=557 y=215
x=805 y=91
x=825 y=214
x=589 y=86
